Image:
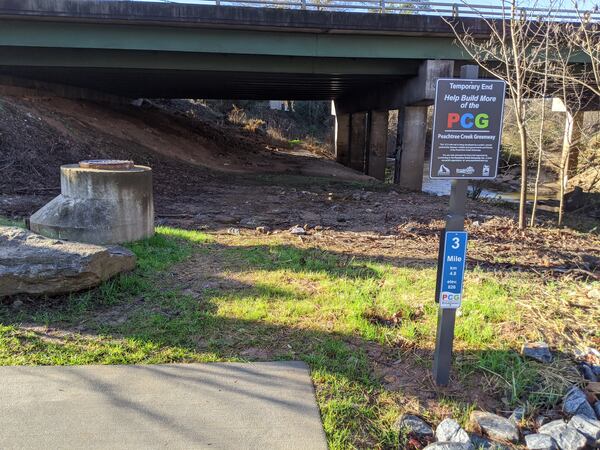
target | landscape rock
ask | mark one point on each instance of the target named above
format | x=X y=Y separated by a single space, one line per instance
x=449 y=446
x=450 y=431
x=495 y=426
x=414 y=425
x=297 y=230
x=538 y=351
x=482 y=443
x=518 y=415
x=540 y=442
x=575 y=402
x=33 y=264
x=540 y=420
x=587 y=372
x=566 y=437
x=575 y=199
x=597 y=409
x=588 y=427
x=571 y=439
x=553 y=427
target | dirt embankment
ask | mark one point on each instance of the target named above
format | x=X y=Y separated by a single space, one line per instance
x=37 y=135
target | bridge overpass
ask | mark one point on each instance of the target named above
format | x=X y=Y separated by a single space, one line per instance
x=367 y=63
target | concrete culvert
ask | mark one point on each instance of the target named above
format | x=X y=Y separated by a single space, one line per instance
x=101 y=202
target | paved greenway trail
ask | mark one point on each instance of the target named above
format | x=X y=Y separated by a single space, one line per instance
x=194 y=406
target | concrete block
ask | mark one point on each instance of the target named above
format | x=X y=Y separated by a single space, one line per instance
x=99 y=206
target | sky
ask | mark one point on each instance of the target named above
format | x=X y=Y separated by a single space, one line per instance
x=583 y=5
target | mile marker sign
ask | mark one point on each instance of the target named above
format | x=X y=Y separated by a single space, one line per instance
x=467 y=128
x=453 y=269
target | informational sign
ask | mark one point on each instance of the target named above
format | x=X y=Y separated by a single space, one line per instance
x=467 y=128
x=453 y=269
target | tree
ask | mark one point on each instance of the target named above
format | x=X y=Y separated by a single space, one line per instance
x=514 y=52
x=534 y=57
x=579 y=86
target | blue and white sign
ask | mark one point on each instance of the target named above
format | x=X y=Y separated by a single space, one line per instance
x=453 y=269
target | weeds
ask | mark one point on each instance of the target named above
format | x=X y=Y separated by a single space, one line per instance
x=11 y=223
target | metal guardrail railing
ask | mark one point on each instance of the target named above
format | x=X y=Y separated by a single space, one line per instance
x=421 y=7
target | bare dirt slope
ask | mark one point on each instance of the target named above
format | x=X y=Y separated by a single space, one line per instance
x=39 y=134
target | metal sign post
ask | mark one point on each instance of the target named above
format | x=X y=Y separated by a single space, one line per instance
x=466 y=142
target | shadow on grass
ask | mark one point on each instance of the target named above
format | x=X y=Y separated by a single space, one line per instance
x=365 y=373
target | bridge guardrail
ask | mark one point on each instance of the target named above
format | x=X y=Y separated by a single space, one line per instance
x=421 y=7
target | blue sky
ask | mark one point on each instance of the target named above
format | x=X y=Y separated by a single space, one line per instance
x=556 y=4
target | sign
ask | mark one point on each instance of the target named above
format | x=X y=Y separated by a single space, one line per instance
x=467 y=128
x=453 y=269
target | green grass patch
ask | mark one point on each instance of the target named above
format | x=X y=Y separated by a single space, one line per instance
x=167 y=247
x=5 y=222
x=262 y=298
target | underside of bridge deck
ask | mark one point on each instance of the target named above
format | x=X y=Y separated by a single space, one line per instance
x=367 y=63
x=203 y=75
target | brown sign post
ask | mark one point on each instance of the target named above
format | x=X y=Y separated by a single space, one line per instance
x=466 y=144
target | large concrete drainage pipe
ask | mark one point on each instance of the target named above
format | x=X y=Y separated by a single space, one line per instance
x=101 y=202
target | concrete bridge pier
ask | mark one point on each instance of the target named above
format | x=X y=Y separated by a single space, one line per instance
x=574 y=115
x=377 y=144
x=342 y=138
x=361 y=141
x=364 y=118
x=358 y=140
x=572 y=141
x=411 y=157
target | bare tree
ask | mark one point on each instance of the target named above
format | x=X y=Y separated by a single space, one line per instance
x=578 y=87
x=514 y=52
x=582 y=38
x=541 y=130
x=535 y=56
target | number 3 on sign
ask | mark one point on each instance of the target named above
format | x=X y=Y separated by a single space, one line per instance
x=455 y=243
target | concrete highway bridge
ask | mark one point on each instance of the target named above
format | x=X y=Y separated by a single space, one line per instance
x=368 y=63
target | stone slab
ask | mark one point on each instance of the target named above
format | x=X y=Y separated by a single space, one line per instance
x=180 y=406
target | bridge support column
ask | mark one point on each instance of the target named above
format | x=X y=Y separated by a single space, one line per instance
x=342 y=138
x=412 y=156
x=399 y=141
x=358 y=139
x=377 y=145
x=572 y=141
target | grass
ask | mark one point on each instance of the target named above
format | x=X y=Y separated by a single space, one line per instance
x=4 y=222
x=200 y=297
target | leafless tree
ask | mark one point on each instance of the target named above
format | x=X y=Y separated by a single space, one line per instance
x=578 y=86
x=534 y=56
x=513 y=52
x=541 y=129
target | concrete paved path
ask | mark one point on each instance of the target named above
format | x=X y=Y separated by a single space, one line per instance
x=180 y=406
